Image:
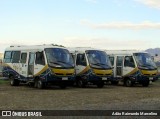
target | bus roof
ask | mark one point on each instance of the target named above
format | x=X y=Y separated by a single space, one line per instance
x=31 y=47
x=123 y=52
x=81 y=49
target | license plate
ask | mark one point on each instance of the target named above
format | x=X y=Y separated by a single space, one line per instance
x=64 y=78
x=150 y=78
x=104 y=78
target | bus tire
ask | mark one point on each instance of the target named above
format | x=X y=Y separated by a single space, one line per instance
x=114 y=82
x=35 y=83
x=100 y=84
x=128 y=83
x=31 y=84
x=40 y=84
x=14 y=82
x=145 y=83
x=62 y=86
x=81 y=84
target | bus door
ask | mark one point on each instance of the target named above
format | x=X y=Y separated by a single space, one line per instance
x=129 y=65
x=24 y=64
x=80 y=63
x=31 y=64
x=39 y=62
x=119 y=66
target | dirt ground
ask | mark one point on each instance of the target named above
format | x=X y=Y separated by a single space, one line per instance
x=110 y=97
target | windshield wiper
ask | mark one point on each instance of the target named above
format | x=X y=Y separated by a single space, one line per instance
x=101 y=64
x=148 y=66
x=62 y=62
x=98 y=64
x=145 y=65
x=55 y=63
x=58 y=62
x=65 y=63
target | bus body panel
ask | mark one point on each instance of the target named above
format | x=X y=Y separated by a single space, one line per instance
x=26 y=63
x=127 y=66
x=88 y=72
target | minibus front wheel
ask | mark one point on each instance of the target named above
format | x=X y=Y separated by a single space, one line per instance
x=81 y=84
x=114 y=82
x=145 y=83
x=100 y=84
x=39 y=84
x=62 y=86
x=128 y=82
x=13 y=81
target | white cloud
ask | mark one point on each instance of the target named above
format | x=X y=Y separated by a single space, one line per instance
x=151 y=3
x=122 y=25
x=104 y=43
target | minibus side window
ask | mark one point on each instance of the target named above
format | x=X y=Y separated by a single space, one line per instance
x=16 y=56
x=23 y=57
x=40 y=58
x=81 y=60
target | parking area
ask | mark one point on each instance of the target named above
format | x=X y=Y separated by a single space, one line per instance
x=53 y=98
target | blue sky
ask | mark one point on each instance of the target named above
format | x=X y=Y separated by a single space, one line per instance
x=106 y=24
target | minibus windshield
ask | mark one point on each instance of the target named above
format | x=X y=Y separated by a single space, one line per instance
x=144 y=61
x=98 y=59
x=58 y=57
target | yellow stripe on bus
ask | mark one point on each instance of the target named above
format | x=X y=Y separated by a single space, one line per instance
x=149 y=72
x=44 y=69
x=102 y=72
